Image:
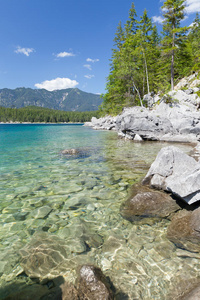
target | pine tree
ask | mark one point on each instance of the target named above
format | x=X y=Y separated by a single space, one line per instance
x=194 y=42
x=119 y=37
x=173 y=33
x=131 y=24
x=114 y=85
x=119 y=82
x=145 y=27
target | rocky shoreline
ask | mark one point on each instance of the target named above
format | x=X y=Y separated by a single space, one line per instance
x=171 y=188
x=171 y=122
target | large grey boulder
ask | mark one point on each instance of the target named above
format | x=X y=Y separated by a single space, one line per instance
x=175 y=172
x=187 y=97
x=147 y=124
x=176 y=121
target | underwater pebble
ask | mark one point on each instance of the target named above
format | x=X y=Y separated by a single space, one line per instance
x=41 y=212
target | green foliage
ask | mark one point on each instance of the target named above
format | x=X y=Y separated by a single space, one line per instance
x=133 y=72
x=143 y=62
x=169 y=100
x=174 y=36
x=194 y=41
x=39 y=115
x=198 y=93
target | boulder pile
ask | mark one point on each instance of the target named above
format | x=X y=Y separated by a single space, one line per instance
x=173 y=117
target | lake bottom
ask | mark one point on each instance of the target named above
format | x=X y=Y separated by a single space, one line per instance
x=68 y=208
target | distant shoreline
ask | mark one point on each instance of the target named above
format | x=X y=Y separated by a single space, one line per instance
x=40 y=123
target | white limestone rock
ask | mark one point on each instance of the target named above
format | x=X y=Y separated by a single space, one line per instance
x=176 y=172
x=138 y=138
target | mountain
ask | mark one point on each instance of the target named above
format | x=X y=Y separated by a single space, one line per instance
x=71 y=99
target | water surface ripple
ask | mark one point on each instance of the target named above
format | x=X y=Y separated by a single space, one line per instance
x=76 y=199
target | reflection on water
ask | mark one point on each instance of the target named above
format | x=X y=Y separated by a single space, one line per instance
x=69 y=207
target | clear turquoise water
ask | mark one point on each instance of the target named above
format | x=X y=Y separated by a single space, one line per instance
x=82 y=196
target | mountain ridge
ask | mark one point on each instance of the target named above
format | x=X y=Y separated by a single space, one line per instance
x=71 y=99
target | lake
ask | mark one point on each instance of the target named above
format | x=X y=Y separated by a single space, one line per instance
x=77 y=199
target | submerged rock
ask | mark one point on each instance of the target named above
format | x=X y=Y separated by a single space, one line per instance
x=148 y=205
x=175 y=172
x=44 y=257
x=193 y=295
x=92 y=284
x=70 y=152
x=76 y=153
x=41 y=212
x=184 y=230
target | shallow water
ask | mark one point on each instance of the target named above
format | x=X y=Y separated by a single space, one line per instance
x=77 y=199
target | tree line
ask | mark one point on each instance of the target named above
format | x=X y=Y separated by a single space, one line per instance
x=40 y=114
x=144 y=61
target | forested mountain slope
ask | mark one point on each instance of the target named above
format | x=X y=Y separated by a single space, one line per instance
x=67 y=100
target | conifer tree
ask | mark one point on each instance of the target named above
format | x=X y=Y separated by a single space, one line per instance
x=145 y=27
x=119 y=37
x=173 y=33
x=194 y=42
x=131 y=24
x=119 y=86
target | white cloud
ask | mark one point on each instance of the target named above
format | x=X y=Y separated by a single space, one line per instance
x=192 y=6
x=157 y=19
x=57 y=84
x=25 y=51
x=92 y=60
x=65 y=54
x=88 y=67
x=89 y=76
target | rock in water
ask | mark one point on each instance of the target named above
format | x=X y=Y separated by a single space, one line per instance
x=175 y=172
x=92 y=284
x=184 y=230
x=151 y=205
x=193 y=295
x=70 y=152
x=45 y=256
x=69 y=292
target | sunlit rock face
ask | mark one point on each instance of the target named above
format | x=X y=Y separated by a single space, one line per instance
x=175 y=172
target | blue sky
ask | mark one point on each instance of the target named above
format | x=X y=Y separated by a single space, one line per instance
x=57 y=44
